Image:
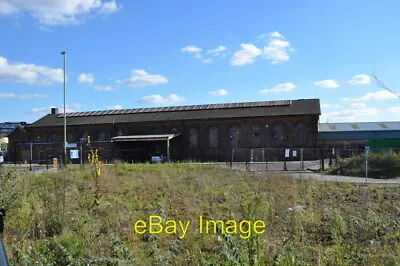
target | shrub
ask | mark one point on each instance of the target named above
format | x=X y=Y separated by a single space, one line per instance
x=380 y=165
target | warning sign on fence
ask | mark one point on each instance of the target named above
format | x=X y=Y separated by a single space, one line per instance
x=287 y=153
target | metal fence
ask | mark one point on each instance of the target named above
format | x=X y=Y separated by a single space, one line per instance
x=299 y=159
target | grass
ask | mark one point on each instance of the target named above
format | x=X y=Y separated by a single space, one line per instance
x=78 y=218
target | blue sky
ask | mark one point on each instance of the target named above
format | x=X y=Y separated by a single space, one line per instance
x=127 y=54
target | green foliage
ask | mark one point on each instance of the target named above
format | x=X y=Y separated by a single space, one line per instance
x=380 y=165
x=308 y=222
x=95 y=169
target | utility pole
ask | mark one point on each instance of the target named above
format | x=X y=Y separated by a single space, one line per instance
x=65 y=114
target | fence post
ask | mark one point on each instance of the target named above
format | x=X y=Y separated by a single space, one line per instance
x=336 y=156
x=262 y=153
x=322 y=154
x=284 y=162
x=233 y=152
x=301 y=161
x=366 y=163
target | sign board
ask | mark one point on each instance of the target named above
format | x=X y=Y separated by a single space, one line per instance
x=294 y=153
x=1 y=159
x=72 y=145
x=287 y=153
x=74 y=154
x=367 y=149
x=156 y=159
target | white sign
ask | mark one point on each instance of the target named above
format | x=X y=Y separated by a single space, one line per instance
x=1 y=159
x=287 y=153
x=74 y=154
x=294 y=153
x=367 y=149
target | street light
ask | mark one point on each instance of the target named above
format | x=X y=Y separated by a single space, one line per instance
x=65 y=115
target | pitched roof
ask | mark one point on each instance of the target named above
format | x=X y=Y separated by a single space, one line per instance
x=189 y=112
x=359 y=126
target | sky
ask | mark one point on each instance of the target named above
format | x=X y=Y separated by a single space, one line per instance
x=147 y=53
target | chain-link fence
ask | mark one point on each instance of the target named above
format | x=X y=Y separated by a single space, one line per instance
x=324 y=160
x=47 y=153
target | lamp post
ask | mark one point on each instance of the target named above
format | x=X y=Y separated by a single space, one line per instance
x=65 y=115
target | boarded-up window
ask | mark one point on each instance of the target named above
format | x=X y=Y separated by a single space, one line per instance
x=234 y=136
x=256 y=136
x=301 y=134
x=213 y=137
x=70 y=137
x=193 y=137
x=279 y=135
x=85 y=136
x=101 y=136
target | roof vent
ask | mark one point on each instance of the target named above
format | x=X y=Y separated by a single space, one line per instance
x=54 y=111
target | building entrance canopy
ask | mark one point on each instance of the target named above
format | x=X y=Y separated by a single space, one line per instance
x=157 y=137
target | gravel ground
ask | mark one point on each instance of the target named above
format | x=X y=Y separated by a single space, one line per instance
x=344 y=179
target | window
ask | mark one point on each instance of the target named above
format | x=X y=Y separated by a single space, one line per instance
x=213 y=137
x=256 y=136
x=234 y=136
x=301 y=134
x=53 y=138
x=279 y=135
x=70 y=137
x=193 y=137
x=85 y=135
x=101 y=136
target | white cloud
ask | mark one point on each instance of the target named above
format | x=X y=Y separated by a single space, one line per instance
x=278 y=49
x=110 y=7
x=191 y=49
x=220 y=92
x=276 y=34
x=327 y=84
x=358 y=105
x=219 y=51
x=351 y=115
x=115 y=107
x=59 y=12
x=86 y=78
x=282 y=87
x=140 y=78
x=158 y=99
x=360 y=80
x=7 y=95
x=197 y=53
x=29 y=73
x=375 y=96
x=103 y=88
x=69 y=108
x=246 y=55
x=328 y=105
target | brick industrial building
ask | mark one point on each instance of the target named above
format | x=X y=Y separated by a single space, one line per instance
x=193 y=132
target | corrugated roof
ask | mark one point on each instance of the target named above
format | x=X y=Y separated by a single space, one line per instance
x=234 y=110
x=361 y=126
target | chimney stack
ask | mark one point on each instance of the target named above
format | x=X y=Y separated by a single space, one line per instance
x=54 y=111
